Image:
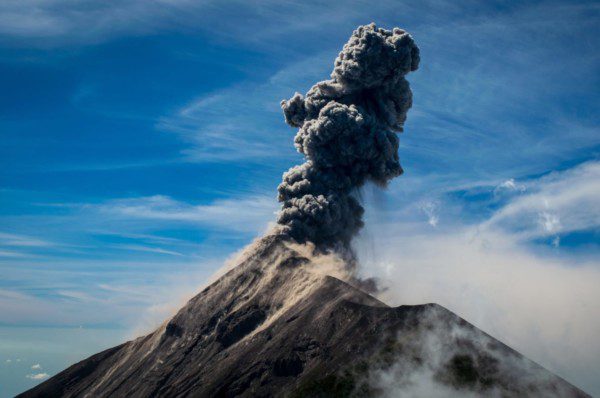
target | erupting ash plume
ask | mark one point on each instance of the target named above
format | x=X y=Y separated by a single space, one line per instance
x=347 y=132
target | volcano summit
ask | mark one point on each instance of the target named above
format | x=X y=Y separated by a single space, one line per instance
x=289 y=318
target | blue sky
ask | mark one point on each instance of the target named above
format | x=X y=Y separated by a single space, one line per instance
x=142 y=144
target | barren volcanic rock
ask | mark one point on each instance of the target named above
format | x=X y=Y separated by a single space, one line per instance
x=278 y=325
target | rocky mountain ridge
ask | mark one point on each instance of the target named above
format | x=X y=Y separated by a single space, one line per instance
x=279 y=325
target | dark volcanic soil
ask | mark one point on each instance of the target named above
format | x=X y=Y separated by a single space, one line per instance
x=276 y=325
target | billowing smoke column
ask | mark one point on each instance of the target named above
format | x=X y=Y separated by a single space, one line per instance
x=347 y=132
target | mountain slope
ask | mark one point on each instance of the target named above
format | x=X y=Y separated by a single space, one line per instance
x=276 y=325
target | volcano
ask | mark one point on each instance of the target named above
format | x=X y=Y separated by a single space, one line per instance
x=278 y=324
x=290 y=318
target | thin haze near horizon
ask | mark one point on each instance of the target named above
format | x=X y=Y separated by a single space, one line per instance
x=143 y=144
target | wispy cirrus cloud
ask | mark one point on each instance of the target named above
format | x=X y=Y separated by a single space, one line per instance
x=558 y=203
x=149 y=249
x=60 y=22
x=7 y=239
x=67 y=22
x=245 y=121
x=468 y=101
x=18 y=246
x=245 y=214
x=8 y=253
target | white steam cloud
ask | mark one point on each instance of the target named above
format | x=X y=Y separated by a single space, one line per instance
x=543 y=303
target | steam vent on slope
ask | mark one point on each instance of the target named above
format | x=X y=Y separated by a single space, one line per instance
x=289 y=318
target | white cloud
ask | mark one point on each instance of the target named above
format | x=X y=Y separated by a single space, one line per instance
x=10 y=253
x=21 y=246
x=245 y=214
x=75 y=295
x=148 y=249
x=36 y=366
x=431 y=210
x=550 y=222
x=509 y=185
x=260 y=23
x=66 y=21
x=557 y=203
x=7 y=239
x=38 y=376
x=63 y=22
x=545 y=306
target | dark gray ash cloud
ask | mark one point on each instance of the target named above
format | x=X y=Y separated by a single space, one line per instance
x=347 y=132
